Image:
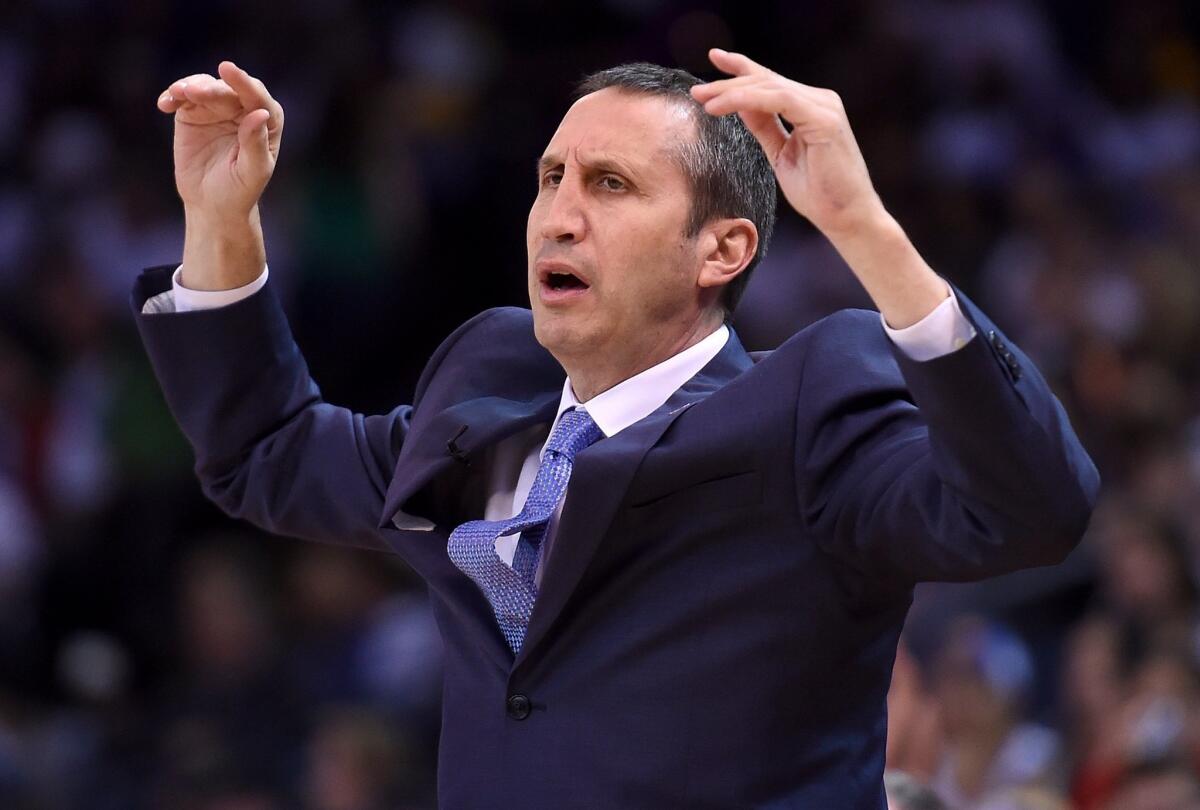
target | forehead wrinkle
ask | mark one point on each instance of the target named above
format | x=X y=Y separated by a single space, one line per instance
x=600 y=160
x=669 y=151
x=592 y=160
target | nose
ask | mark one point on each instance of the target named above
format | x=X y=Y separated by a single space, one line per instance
x=565 y=219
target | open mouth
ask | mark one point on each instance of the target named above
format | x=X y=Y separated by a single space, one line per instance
x=562 y=280
x=559 y=283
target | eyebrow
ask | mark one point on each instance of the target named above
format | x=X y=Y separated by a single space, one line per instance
x=599 y=164
x=546 y=162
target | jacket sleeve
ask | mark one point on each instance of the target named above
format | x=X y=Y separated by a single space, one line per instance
x=268 y=449
x=957 y=468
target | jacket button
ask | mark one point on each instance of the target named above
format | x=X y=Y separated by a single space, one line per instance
x=1010 y=360
x=518 y=707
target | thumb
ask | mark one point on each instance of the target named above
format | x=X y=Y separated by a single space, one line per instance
x=254 y=149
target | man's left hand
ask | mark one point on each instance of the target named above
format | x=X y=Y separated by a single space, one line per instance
x=823 y=176
x=818 y=164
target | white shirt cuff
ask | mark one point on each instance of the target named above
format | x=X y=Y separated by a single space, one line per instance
x=939 y=333
x=190 y=300
x=180 y=299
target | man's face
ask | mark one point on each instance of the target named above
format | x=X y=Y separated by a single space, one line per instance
x=610 y=268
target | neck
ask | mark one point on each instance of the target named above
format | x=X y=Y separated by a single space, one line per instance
x=596 y=373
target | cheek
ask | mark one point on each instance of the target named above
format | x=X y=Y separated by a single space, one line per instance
x=661 y=274
x=644 y=266
x=533 y=222
x=531 y=228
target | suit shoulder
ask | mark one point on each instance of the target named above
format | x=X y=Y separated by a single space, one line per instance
x=846 y=354
x=515 y=321
x=856 y=325
x=489 y=352
x=494 y=333
x=848 y=335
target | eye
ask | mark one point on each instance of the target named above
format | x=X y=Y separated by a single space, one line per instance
x=612 y=183
x=552 y=178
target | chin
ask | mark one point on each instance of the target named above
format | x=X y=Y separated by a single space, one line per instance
x=558 y=335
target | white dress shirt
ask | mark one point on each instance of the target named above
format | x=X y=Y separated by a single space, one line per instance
x=613 y=410
x=512 y=464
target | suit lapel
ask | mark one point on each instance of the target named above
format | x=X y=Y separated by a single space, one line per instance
x=454 y=440
x=599 y=480
x=441 y=454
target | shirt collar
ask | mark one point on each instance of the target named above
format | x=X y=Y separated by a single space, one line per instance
x=632 y=400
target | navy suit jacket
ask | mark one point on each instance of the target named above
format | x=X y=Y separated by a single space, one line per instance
x=719 y=615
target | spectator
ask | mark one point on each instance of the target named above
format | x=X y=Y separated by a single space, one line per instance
x=983 y=677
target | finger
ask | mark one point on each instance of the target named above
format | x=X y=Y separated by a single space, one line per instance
x=734 y=63
x=168 y=103
x=254 y=162
x=812 y=95
x=734 y=88
x=252 y=92
x=175 y=95
x=764 y=98
x=215 y=95
x=766 y=127
x=179 y=87
x=703 y=92
x=768 y=130
x=795 y=108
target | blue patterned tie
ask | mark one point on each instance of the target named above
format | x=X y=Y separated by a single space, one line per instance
x=472 y=547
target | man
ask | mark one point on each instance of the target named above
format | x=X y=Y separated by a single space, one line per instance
x=708 y=617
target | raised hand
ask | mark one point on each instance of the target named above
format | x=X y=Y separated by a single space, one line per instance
x=227 y=135
x=823 y=176
x=818 y=164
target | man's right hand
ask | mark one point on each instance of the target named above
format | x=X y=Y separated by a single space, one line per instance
x=227 y=135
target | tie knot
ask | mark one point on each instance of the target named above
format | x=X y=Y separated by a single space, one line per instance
x=575 y=431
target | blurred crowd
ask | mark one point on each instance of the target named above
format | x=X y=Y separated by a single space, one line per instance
x=1045 y=157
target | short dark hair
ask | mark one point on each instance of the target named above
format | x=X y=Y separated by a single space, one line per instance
x=725 y=166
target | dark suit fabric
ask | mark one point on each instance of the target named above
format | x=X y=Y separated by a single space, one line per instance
x=720 y=611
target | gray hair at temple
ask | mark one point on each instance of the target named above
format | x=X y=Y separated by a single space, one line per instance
x=725 y=166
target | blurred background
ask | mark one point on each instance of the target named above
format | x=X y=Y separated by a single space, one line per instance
x=1043 y=156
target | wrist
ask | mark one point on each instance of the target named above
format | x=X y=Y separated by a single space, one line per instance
x=860 y=229
x=222 y=253
x=900 y=283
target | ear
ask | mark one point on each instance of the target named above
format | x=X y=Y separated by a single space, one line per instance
x=726 y=247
